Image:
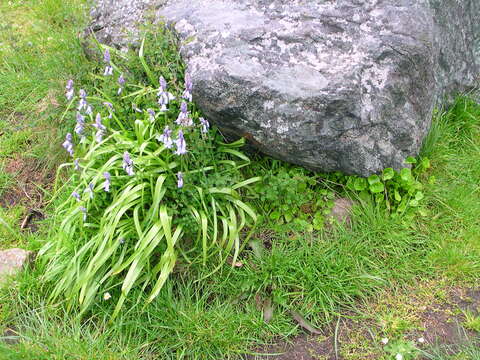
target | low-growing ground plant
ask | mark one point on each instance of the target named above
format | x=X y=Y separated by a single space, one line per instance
x=291 y=194
x=151 y=183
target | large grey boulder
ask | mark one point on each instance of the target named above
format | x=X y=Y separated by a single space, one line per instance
x=344 y=85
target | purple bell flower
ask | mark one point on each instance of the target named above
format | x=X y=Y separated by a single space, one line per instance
x=69 y=90
x=179 y=180
x=106 y=58
x=68 y=145
x=121 y=82
x=98 y=123
x=108 y=71
x=128 y=164
x=79 y=127
x=151 y=115
x=164 y=97
x=163 y=83
x=166 y=138
x=187 y=93
x=100 y=128
x=90 y=189
x=205 y=125
x=110 y=108
x=76 y=195
x=106 y=184
x=82 y=103
x=184 y=118
x=76 y=165
x=181 y=144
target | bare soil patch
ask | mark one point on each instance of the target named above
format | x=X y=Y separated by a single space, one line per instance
x=439 y=322
x=29 y=180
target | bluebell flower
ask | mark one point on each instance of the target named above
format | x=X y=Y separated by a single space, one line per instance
x=163 y=83
x=181 y=144
x=89 y=110
x=100 y=128
x=121 y=82
x=205 y=125
x=76 y=165
x=187 y=93
x=166 y=138
x=79 y=127
x=68 y=145
x=84 y=211
x=98 y=122
x=151 y=115
x=82 y=103
x=90 y=189
x=184 y=118
x=128 y=163
x=164 y=97
x=108 y=69
x=69 y=90
x=76 y=195
x=106 y=56
x=106 y=184
x=179 y=180
x=110 y=108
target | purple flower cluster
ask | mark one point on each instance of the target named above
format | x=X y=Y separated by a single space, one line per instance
x=166 y=138
x=68 y=145
x=179 y=180
x=100 y=128
x=187 y=93
x=89 y=190
x=76 y=195
x=151 y=115
x=164 y=97
x=80 y=126
x=204 y=124
x=184 y=118
x=110 y=108
x=121 y=82
x=106 y=184
x=128 y=164
x=69 y=90
x=108 y=68
x=181 y=144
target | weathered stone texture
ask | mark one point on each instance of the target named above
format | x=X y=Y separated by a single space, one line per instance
x=12 y=261
x=331 y=85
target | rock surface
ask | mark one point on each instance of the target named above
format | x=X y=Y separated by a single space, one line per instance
x=12 y=261
x=342 y=211
x=345 y=85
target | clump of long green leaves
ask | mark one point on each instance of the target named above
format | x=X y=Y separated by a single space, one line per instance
x=152 y=184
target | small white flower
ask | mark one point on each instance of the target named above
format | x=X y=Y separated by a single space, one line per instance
x=421 y=340
x=384 y=341
x=399 y=357
x=106 y=296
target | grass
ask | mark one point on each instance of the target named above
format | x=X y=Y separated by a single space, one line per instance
x=322 y=275
x=466 y=349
